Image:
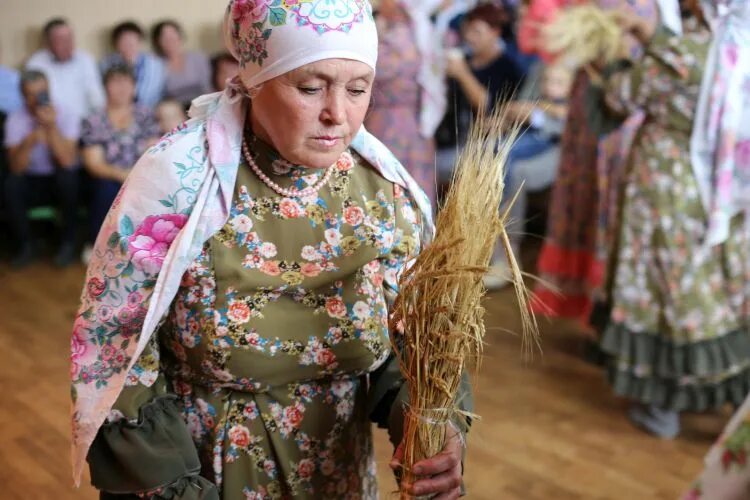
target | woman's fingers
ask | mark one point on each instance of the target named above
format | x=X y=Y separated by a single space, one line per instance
x=444 y=461
x=442 y=483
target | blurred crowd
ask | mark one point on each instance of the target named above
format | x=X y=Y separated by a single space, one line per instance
x=73 y=128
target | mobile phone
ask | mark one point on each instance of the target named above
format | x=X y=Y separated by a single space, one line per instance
x=42 y=98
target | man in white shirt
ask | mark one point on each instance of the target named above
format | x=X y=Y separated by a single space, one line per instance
x=73 y=75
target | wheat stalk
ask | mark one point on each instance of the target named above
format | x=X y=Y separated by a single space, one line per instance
x=437 y=328
x=583 y=35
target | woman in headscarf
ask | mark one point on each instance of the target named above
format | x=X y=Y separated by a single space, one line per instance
x=232 y=342
x=568 y=264
x=409 y=98
x=677 y=335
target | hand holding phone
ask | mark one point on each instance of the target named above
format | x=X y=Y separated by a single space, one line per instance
x=42 y=99
x=44 y=112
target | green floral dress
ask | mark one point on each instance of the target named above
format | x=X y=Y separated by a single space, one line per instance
x=678 y=331
x=275 y=356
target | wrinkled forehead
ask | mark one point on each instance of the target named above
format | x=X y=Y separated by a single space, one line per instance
x=333 y=70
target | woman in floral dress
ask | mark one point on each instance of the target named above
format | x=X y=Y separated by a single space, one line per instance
x=233 y=339
x=402 y=99
x=677 y=333
x=567 y=265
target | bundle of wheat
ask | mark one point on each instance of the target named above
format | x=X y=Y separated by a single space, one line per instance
x=584 y=34
x=437 y=327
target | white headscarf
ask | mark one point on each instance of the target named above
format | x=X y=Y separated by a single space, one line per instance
x=720 y=144
x=272 y=37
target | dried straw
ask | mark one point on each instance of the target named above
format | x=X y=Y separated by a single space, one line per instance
x=439 y=306
x=583 y=35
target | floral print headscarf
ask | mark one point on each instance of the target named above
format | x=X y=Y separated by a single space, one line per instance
x=272 y=37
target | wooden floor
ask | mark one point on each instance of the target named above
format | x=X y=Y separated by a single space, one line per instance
x=550 y=429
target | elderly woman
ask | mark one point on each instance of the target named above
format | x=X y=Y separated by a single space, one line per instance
x=233 y=341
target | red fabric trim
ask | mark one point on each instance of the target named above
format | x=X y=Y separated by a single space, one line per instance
x=548 y=303
x=559 y=265
x=582 y=265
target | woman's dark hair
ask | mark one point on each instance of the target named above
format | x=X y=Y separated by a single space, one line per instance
x=125 y=27
x=158 y=29
x=118 y=70
x=53 y=23
x=491 y=14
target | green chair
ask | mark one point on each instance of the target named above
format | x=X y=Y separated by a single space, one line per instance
x=42 y=213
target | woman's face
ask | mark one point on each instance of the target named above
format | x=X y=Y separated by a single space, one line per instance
x=129 y=46
x=480 y=36
x=170 y=41
x=311 y=115
x=120 y=90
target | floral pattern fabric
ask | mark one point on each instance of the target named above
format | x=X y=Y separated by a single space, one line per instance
x=394 y=115
x=668 y=290
x=720 y=144
x=568 y=260
x=122 y=148
x=275 y=327
x=726 y=475
x=183 y=188
x=272 y=37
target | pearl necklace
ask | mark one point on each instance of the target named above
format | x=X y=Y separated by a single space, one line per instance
x=286 y=192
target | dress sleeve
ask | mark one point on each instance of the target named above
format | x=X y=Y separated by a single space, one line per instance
x=628 y=87
x=144 y=450
x=91 y=132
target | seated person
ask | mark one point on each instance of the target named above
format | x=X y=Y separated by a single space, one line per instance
x=42 y=156
x=533 y=159
x=10 y=93
x=74 y=79
x=486 y=78
x=149 y=71
x=188 y=72
x=224 y=67
x=170 y=114
x=112 y=141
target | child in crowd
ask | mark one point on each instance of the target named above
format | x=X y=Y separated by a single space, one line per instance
x=170 y=113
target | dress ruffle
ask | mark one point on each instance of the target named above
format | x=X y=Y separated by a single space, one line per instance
x=696 y=376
